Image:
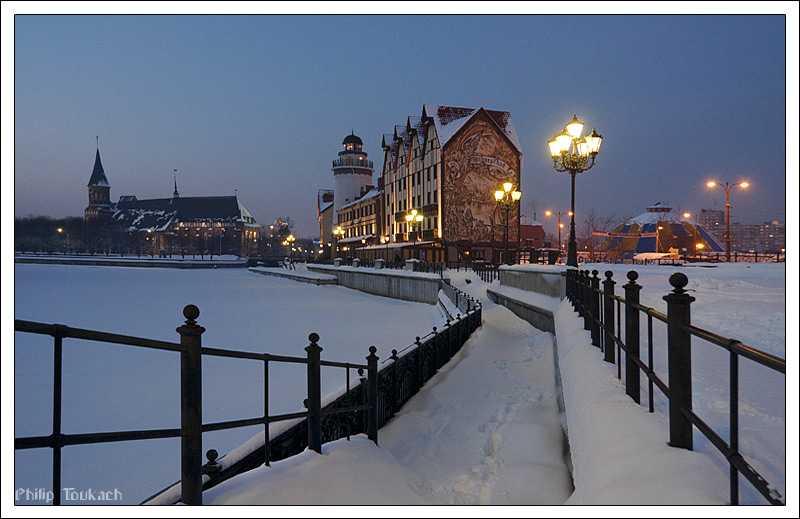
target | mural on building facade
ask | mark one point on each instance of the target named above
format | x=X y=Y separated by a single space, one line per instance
x=478 y=162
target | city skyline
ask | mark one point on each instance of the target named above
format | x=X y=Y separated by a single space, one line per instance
x=258 y=105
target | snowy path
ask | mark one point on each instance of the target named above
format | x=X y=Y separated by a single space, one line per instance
x=492 y=438
x=484 y=430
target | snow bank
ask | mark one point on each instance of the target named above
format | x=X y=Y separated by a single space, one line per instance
x=619 y=450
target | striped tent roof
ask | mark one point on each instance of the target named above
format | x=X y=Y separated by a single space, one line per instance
x=676 y=232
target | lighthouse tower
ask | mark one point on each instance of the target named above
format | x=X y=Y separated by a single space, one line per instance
x=352 y=173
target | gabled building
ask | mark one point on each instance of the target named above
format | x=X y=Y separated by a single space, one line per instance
x=325 y=217
x=446 y=165
x=192 y=225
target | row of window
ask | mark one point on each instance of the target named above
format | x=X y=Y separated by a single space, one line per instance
x=360 y=230
x=357 y=212
x=206 y=224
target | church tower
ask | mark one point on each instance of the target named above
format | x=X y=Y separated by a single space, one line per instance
x=100 y=206
x=352 y=173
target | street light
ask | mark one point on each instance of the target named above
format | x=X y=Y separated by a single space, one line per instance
x=573 y=154
x=560 y=226
x=507 y=198
x=413 y=218
x=62 y=231
x=338 y=233
x=689 y=215
x=727 y=188
x=290 y=242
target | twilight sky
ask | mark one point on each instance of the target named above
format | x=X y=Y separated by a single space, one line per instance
x=259 y=105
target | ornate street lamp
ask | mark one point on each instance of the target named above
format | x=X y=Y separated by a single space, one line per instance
x=413 y=218
x=727 y=188
x=574 y=154
x=338 y=233
x=560 y=226
x=507 y=198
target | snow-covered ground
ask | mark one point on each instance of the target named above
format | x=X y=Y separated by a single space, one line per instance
x=111 y=387
x=482 y=431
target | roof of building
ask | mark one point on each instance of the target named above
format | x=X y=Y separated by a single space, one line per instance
x=98 y=177
x=449 y=119
x=416 y=126
x=324 y=200
x=674 y=227
x=158 y=213
x=352 y=138
x=372 y=193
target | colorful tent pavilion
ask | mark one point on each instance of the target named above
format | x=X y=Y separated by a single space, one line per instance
x=658 y=230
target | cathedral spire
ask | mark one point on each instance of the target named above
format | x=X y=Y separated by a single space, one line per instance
x=175 y=179
x=98 y=177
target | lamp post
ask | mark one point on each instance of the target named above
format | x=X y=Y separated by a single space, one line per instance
x=689 y=215
x=290 y=241
x=727 y=188
x=337 y=234
x=413 y=218
x=507 y=198
x=62 y=231
x=658 y=238
x=560 y=226
x=574 y=154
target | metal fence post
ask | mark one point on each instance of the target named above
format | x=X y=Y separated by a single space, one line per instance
x=586 y=301
x=595 y=308
x=58 y=367
x=372 y=395
x=679 y=361
x=608 y=316
x=314 y=394
x=632 y=336
x=570 y=290
x=191 y=408
x=395 y=383
x=420 y=365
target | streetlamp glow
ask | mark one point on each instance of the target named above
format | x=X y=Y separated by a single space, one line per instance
x=507 y=199
x=697 y=246
x=727 y=188
x=575 y=127
x=574 y=154
x=413 y=218
x=560 y=226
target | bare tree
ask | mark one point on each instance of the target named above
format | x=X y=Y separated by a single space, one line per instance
x=594 y=221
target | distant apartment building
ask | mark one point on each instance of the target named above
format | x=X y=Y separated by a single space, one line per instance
x=768 y=238
x=714 y=222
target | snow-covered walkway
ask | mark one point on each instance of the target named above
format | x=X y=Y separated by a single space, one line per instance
x=484 y=430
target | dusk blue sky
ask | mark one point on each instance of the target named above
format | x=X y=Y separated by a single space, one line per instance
x=260 y=104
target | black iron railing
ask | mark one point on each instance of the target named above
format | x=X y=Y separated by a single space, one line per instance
x=399 y=378
x=192 y=427
x=601 y=311
x=463 y=301
x=486 y=271
x=348 y=162
x=363 y=408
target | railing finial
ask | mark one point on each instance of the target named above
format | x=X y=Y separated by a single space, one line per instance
x=191 y=313
x=678 y=280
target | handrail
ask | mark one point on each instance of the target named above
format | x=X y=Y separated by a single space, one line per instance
x=586 y=296
x=364 y=397
x=60 y=330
